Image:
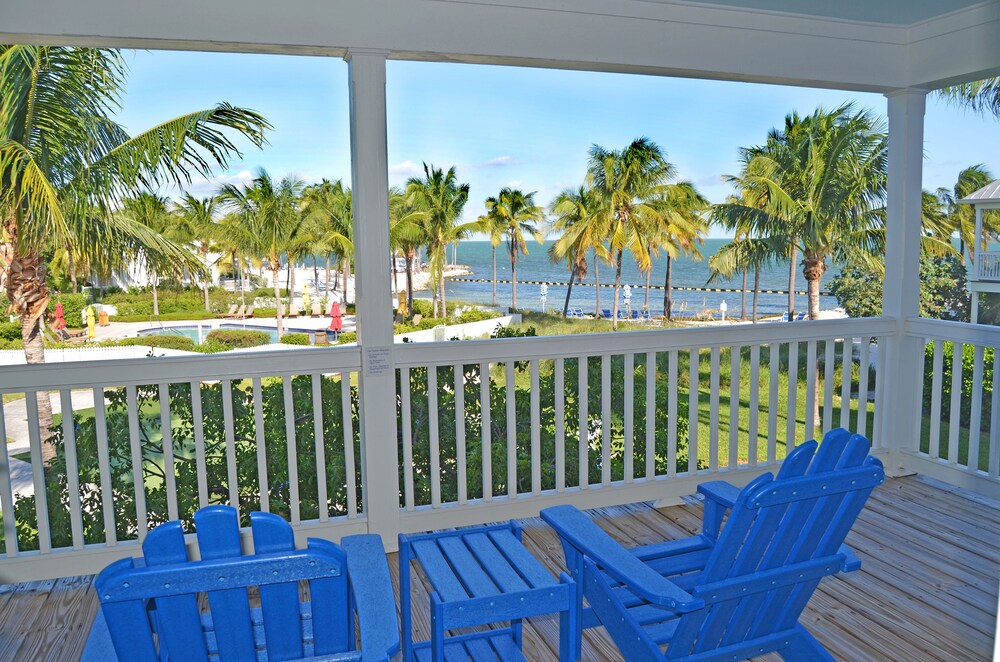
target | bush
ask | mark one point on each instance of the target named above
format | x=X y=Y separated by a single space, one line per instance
x=234 y=338
x=968 y=362
x=165 y=341
x=296 y=339
x=168 y=317
x=73 y=305
x=265 y=312
x=10 y=331
x=347 y=337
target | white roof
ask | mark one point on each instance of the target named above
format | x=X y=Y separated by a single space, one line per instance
x=988 y=194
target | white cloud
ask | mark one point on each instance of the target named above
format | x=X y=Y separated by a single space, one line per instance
x=408 y=168
x=502 y=161
x=514 y=183
x=201 y=187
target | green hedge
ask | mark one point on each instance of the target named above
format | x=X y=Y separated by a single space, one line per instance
x=233 y=338
x=968 y=363
x=73 y=305
x=10 y=331
x=167 y=317
x=347 y=337
x=165 y=341
x=296 y=339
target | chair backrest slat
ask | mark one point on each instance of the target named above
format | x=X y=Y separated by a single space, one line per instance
x=185 y=638
x=279 y=602
x=332 y=605
x=218 y=533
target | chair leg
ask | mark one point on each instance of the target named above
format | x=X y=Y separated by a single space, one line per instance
x=569 y=626
x=805 y=648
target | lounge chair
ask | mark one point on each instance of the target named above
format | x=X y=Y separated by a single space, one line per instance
x=236 y=315
x=150 y=607
x=293 y=311
x=606 y=313
x=232 y=311
x=417 y=318
x=67 y=336
x=800 y=317
x=316 y=311
x=580 y=313
x=734 y=591
x=247 y=315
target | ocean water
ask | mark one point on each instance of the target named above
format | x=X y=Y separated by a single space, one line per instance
x=687 y=272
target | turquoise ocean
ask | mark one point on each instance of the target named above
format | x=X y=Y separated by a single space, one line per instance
x=687 y=272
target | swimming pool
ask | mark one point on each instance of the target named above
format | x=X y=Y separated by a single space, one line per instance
x=192 y=331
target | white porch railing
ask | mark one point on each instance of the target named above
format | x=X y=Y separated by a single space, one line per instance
x=988 y=265
x=154 y=439
x=959 y=438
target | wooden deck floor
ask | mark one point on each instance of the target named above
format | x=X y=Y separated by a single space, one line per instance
x=927 y=589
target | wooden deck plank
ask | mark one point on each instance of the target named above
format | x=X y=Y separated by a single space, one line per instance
x=927 y=587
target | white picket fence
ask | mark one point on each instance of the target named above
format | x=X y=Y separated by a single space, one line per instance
x=279 y=430
x=69 y=354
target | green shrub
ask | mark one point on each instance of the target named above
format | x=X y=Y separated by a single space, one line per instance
x=73 y=305
x=968 y=363
x=167 y=317
x=347 y=337
x=296 y=339
x=165 y=341
x=10 y=331
x=233 y=338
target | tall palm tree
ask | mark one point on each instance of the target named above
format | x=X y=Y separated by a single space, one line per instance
x=578 y=218
x=153 y=211
x=440 y=195
x=64 y=164
x=627 y=180
x=743 y=254
x=330 y=202
x=515 y=213
x=961 y=219
x=406 y=234
x=493 y=226
x=269 y=211
x=679 y=230
x=199 y=214
x=233 y=243
x=820 y=182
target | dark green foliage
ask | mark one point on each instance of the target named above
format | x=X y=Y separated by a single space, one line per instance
x=942 y=289
x=137 y=303
x=968 y=365
x=511 y=332
x=168 y=317
x=10 y=331
x=295 y=339
x=185 y=469
x=166 y=341
x=73 y=305
x=347 y=337
x=233 y=338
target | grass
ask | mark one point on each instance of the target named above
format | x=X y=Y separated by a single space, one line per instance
x=944 y=442
x=549 y=324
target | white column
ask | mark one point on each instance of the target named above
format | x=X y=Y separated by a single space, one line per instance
x=901 y=390
x=377 y=383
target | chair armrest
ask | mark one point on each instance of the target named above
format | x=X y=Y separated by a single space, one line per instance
x=720 y=492
x=851 y=562
x=590 y=540
x=373 y=597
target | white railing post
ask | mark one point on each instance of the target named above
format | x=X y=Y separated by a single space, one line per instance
x=373 y=298
x=901 y=381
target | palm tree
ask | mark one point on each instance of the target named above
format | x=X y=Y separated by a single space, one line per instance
x=442 y=198
x=406 y=233
x=232 y=242
x=820 y=183
x=270 y=217
x=982 y=96
x=578 y=218
x=64 y=163
x=961 y=219
x=199 y=215
x=626 y=182
x=679 y=230
x=515 y=213
x=153 y=211
x=493 y=226
x=743 y=254
x=330 y=202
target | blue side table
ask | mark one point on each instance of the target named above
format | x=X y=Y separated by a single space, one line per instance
x=480 y=576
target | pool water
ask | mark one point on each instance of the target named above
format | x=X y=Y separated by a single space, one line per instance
x=192 y=331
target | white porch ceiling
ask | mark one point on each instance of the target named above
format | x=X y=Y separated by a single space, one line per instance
x=749 y=40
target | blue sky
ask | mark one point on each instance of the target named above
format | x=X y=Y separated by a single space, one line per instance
x=502 y=126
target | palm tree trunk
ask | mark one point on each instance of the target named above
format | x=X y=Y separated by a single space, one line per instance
x=756 y=291
x=409 y=281
x=494 y=275
x=743 y=298
x=344 y=276
x=668 y=302
x=444 y=305
x=618 y=284
x=316 y=274
x=395 y=274
x=597 y=285
x=208 y=276
x=276 y=282
x=513 y=280
x=569 y=290
x=156 y=298
x=243 y=292
x=291 y=284
x=813 y=271
x=72 y=267
x=649 y=277
x=791 y=283
x=327 y=283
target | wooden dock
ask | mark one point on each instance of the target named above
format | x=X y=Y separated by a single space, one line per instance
x=927 y=589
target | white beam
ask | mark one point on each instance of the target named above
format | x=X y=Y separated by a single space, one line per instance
x=901 y=288
x=377 y=382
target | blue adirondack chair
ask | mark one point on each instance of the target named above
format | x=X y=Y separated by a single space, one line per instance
x=150 y=607
x=734 y=591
